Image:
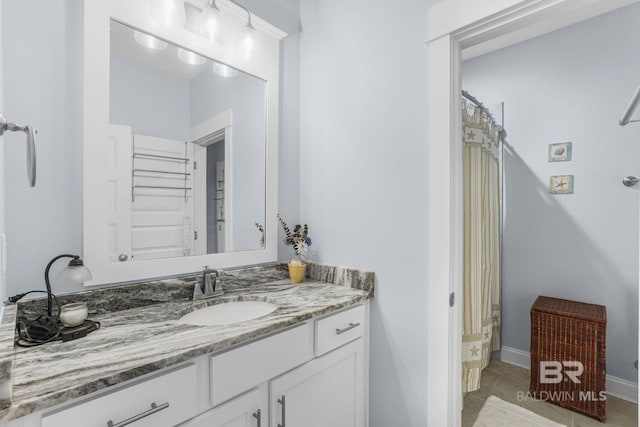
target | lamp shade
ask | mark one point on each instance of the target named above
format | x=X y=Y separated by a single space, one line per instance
x=247 y=40
x=224 y=70
x=209 y=23
x=190 y=58
x=75 y=273
x=149 y=41
x=168 y=12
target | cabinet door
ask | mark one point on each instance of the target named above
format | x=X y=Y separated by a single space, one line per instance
x=328 y=391
x=248 y=410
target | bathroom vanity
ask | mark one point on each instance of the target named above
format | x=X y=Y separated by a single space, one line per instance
x=305 y=364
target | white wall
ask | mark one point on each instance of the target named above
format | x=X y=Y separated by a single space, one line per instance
x=571 y=85
x=363 y=150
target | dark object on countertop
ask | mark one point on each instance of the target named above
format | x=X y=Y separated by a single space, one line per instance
x=75 y=332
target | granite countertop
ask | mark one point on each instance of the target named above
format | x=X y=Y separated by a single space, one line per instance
x=140 y=334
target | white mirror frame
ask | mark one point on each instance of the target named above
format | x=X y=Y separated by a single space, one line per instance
x=264 y=65
x=458 y=28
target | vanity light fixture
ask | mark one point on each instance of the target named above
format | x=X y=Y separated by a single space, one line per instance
x=189 y=57
x=149 y=41
x=168 y=12
x=208 y=24
x=224 y=70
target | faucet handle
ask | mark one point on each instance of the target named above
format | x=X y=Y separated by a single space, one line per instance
x=197 y=290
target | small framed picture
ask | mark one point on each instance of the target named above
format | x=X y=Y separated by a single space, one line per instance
x=561 y=184
x=560 y=152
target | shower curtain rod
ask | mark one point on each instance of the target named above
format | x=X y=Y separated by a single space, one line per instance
x=501 y=132
x=633 y=105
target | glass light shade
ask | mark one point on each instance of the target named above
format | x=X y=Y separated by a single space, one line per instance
x=149 y=41
x=190 y=58
x=224 y=70
x=168 y=12
x=247 y=40
x=74 y=274
x=209 y=23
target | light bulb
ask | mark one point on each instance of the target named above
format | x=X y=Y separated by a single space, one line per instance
x=209 y=22
x=168 y=12
x=190 y=58
x=149 y=41
x=224 y=70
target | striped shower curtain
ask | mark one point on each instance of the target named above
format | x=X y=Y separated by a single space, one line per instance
x=482 y=222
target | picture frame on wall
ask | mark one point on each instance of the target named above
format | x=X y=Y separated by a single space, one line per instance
x=560 y=152
x=561 y=184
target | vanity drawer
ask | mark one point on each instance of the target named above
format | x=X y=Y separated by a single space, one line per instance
x=173 y=394
x=242 y=368
x=338 y=329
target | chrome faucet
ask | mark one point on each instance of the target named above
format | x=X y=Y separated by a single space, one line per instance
x=208 y=289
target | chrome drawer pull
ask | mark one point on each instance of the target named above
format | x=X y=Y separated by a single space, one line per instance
x=154 y=408
x=258 y=416
x=281 y=401
x=348 y=328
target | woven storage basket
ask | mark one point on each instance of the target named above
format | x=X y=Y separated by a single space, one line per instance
x=564 y=332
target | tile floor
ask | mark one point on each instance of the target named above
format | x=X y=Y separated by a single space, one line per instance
x=504 y=381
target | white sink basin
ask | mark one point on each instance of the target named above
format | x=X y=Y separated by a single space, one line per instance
x=228 y=313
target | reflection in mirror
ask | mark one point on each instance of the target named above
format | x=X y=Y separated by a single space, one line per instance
x=187 y=143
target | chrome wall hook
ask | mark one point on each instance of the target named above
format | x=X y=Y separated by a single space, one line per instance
x=31 y=132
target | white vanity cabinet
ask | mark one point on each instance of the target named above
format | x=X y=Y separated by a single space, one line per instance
x=328 y=391
x=166 y=399
x=311 y=375
x=248 y=410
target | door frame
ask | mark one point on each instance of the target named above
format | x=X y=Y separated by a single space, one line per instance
x=457 y=29
x=221 y=122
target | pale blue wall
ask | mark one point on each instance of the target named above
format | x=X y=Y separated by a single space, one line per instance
x=43 y=87
x=570 y=85
x=151 y=102
x=3 y=287
x=363 y=151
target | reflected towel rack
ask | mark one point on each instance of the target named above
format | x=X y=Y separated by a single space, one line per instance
x=162 y=187
x=161 y=176
x=157 y=171
x=155 y=156
x=633 y=106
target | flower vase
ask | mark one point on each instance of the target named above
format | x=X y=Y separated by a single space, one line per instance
x=297 y=268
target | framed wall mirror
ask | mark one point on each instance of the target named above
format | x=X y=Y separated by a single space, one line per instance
x=180 y=141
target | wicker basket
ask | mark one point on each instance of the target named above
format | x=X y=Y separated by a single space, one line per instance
x=564 y=332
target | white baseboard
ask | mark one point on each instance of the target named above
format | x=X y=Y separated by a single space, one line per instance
x=616 y=387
